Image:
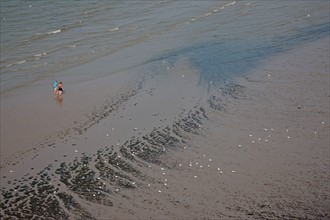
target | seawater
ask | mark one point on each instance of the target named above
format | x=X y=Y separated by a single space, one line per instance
x=220 y=38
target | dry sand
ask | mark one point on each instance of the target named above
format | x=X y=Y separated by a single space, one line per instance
x=164 y=148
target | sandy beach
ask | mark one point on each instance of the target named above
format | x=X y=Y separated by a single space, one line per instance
x=157 y=145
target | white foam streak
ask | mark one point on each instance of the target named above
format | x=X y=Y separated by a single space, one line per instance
x=20 y=62
x=34 y=57
x=211 y=12
x=114 y=29
x=40 y=54
x=54 y=32
x=232 y=3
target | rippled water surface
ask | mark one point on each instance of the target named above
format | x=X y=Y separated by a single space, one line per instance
x=41 y=38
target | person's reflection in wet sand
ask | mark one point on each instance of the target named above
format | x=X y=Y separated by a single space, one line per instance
x=59 y=99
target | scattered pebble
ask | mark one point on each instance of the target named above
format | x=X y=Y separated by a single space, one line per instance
x=233 y=171
x=195 y=176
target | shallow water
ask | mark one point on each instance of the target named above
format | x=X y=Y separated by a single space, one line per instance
x=40 y=39
x=124 y=145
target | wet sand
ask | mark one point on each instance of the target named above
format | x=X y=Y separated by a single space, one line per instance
x=163 y=147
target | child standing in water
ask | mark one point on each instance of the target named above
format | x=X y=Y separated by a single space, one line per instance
x=58 y=88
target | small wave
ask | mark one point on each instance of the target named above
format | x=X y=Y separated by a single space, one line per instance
x=114 y=29
x=54 y=32
x=39 y=36
x=232 y=3
x=20 y=62
x=40 y=54
x=211 y=12
x=34 y=57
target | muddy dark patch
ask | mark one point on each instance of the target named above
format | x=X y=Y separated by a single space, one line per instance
x=219 y=97
x=37 y=198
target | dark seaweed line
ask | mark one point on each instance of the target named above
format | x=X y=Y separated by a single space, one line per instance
x=220 y=97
